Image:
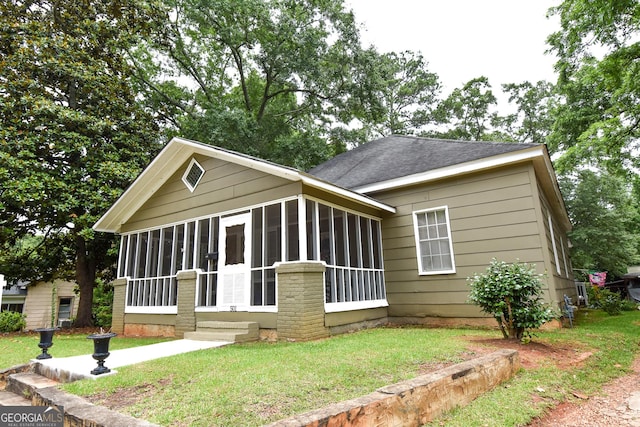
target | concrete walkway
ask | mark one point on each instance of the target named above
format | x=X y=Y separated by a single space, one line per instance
x=66 y=369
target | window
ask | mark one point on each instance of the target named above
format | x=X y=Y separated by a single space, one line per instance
x=64 y=308
x=433 y=241
x=192 y=175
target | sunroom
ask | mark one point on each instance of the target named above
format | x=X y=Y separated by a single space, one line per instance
x=236 y=257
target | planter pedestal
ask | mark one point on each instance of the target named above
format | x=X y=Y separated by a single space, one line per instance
x=46 y=341
x=101 y=351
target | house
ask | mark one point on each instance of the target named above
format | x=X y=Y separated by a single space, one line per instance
x=387 y=232
x=13 y=296
x=37 y=300
x=50 y=304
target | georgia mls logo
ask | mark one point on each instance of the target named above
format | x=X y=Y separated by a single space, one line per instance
x=31 y=416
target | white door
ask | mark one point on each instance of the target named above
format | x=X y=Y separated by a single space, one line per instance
x=234 y=263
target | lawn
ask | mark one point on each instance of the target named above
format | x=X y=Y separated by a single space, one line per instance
x=18 y=349
x=257 y=383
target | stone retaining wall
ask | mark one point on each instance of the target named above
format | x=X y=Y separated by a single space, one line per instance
x=417 y=401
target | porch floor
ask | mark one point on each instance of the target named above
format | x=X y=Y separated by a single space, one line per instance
x=66 y=369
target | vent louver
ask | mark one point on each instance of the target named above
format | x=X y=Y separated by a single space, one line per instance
x=192 y=175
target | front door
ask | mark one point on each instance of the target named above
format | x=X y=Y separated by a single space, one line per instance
x=234 y=264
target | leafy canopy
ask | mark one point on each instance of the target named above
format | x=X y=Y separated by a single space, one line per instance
x=73 y=135
x=598 y=122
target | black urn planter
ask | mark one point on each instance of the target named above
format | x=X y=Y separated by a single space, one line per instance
x=101 y=351
x=46 y=341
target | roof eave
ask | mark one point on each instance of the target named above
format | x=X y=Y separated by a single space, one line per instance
x=454 y=170
x=174 y=154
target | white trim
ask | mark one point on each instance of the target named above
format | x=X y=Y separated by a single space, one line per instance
x=186 y=173
x=342 y=208
x=553 y=244
x=165 y=309
x=564 y=258
x=302 y=228
x=176 y=152
x=416 y=233
x=239 y=309
x=473 y=166
x=219 y=215
x=336 y=307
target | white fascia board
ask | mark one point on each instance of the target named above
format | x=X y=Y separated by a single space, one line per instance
x=179 y=150
x=148 y=182
x=285 y=173
x=356 y=196
x=449 y=171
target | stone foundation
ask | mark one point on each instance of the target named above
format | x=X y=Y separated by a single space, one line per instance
x=143 y=330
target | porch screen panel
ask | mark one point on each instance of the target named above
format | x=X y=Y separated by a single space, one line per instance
x=340 y=243
x=292 y=234
x=256 y=235
x=189 y=247
x=141 y=260
x=203 y=244
x=167 y=251
x=273 y=237
x=267 y=243
x=208 y=230
x=122 y=260
x=178 y=249
x=312 y=238
x=351 y=246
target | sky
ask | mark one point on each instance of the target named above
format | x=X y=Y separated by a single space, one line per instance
x=504 y=40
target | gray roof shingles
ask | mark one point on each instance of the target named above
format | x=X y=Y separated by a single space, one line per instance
x=398 y=156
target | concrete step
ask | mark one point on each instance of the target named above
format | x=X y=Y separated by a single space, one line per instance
x=24 y=383
x=11 y=399
x=216 y=325
x=214 y=330
x=227 y=336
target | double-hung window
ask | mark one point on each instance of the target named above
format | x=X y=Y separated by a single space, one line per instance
x=433 y=241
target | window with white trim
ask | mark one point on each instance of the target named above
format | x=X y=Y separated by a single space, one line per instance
x=193 y=175
x=433 y=241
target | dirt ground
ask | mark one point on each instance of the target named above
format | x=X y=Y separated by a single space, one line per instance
x=618 y=403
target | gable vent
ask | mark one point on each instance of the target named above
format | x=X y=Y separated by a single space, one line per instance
x=192 y=175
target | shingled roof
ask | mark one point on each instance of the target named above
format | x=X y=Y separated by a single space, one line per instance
x=398 y=156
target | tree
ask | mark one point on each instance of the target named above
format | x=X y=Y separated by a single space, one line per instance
x=604 y=215
x=532 y=120
x=467 y=114
x=394 y=93
x=72 y=135
x=265 y=78
x=511 y=293
x=598 y=53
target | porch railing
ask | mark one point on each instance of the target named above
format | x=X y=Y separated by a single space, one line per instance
x=152 y=292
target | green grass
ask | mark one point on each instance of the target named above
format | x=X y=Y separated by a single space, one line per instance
x=614 y=341
x=258 y=383
x=18 y=349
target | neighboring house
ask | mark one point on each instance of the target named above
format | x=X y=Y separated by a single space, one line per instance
x=13 y=297
x=42 y=297
x=389 y=231
x=36 y=300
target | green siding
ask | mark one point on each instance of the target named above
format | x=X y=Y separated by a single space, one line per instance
x=492 y=214
x=224 y=187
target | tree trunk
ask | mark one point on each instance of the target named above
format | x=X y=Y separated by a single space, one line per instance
x=85 y=276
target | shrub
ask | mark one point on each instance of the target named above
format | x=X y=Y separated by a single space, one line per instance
x=511 y=293
x=102 y=304
x=608 y=301
x=11 y=321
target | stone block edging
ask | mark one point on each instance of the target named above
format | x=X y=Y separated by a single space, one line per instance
x=417 y=401
x=79 y=412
